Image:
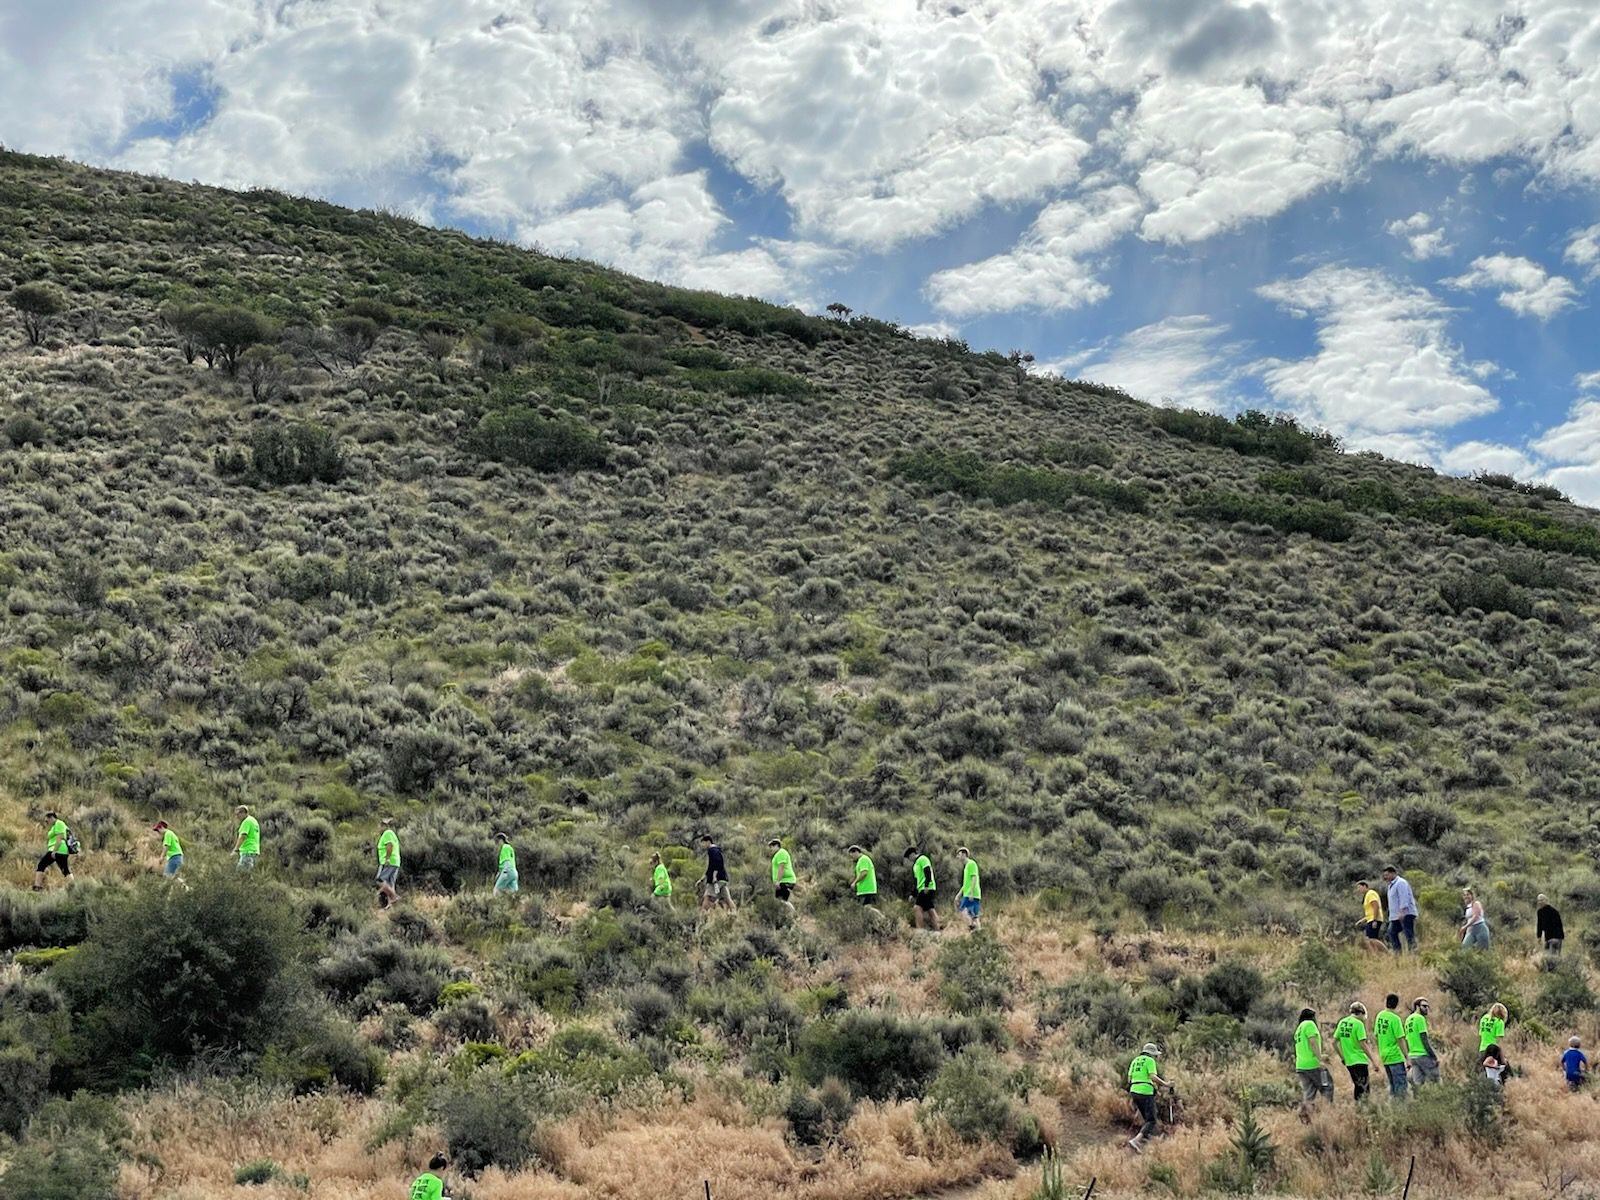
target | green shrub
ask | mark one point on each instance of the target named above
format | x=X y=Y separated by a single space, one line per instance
x=1489 y=593
x=586 y=1060
x=488 y=1121
x=523 y=437
x=879 y=1055
x=261 y=1170
x=966 y=474
x=73 y=1151
x=970 y=1096
x=1564 y=990
x=20 y=429
x=1103 y=1004
x=37 y=304
x=976 y=974
x=207 y=975
x=53 y=919
x=298 y=453
x=1474 y=980
x=1329 y=522
x=1256 y=433
x=818 y=1115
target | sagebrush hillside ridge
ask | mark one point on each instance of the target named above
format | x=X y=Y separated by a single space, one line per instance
x=342 y=518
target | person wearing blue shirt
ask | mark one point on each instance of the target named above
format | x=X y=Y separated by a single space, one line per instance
x=1575 y=1064
x=1402 y=911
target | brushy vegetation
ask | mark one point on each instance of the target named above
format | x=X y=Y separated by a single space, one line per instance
x=375 y=519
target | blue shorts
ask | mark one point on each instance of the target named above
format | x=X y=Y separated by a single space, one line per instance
x=388 y=875
x=174 y=864
x=506 y=881
x=969 y=906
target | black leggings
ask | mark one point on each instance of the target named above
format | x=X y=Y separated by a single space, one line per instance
x=1358 y=1076
x=51 y=859
x=1147 y=1109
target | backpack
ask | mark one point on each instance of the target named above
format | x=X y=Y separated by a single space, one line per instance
x=73 y=845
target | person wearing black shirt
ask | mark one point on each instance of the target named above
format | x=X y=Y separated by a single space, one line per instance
x=1548 y=928
x=716 y=890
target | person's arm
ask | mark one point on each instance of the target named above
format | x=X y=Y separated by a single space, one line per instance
x=1427 y=1045
x=238 y=842
x=1161 y=1082
x=860 y=875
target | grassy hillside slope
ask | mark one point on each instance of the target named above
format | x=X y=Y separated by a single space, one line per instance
x=486 y=540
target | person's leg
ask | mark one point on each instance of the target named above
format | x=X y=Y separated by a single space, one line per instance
x=1553 y=945
x=1359 y=1079
x=1146 y=1107
x=1410 y=925
x=1310 y=1089
x=933 y=914
x=1394 y=935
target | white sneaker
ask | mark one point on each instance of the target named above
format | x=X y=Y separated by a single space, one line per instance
x=1136 y=1146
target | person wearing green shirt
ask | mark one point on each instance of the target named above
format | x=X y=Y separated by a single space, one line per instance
x=1424 y=1062
x=1491 y=1027
x=1350 y=1035
x=660 y=879
x=1143 y=1077
x=782 y=874
x=429 y=1186
x=388 y=864
x=927 y=892
x=248 y=844
x=1390 y=1034
x=971 y=897
x=56 y=853
x=1309 y=1067
x=866 y=878
x=505 y=879
x=171 y=849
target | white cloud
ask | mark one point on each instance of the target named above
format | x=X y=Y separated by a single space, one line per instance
x=1527 y=289
x=1467 y=458
x=938 y=330
x=1422 y=241
x=1385 y=374
x=1584 y=250
x=1184 y=361
x=667 y=230
x=1054 y=266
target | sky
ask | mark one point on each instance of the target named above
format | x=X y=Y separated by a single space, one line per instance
x=1381 y=217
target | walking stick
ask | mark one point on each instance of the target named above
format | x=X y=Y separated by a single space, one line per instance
x=1406 y=1195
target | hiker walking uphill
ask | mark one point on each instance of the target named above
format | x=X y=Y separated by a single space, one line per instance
x=971 y=899
x=1402 y=911
x=171 y=850
x=866 y=881
x=1474 y=926
x=660 y=880
x=1491 y=1026
x=782 y=874
x=926 y=895
x=58 y=851
x=717 y=889
x=248 y=844
x=428 y=1185
x=1143 y=1078
x=1350 y=1035
x=505 y=877
x=1424 y=1060
x=1547 y=928
x=1575 y=1064
x=1390 y=1034
x=388 y=864
x=1371 y=915
x=1309 y=1066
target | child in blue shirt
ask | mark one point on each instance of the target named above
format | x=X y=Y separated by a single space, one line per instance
x=1575 y=1064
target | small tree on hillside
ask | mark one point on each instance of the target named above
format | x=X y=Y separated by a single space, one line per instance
x=266 y=370
x=220 y=334
x=840 y=312
x=39 y=303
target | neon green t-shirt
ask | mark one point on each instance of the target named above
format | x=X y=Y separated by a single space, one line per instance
x=867 y=884
x=1388 y=1032
x=923 y=870
x=1307 y=1036
x=427 y=1187
x=970 y=888
x=1416 y=1025
x=1349 y=1034
x=388 y=849
x=1490 y=1031
x=508 y=858
x=663 y=881
x=56 y=840
x=1142 y=1076
x=250 y=833
x=782 y=867
x=170 y=843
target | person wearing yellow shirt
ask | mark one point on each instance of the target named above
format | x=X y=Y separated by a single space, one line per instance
x=1371 y=916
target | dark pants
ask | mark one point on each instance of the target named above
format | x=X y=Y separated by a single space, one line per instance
x=1407 y=925
x=1397 y=1078
x=1358 y=1076
x=1147 y=1109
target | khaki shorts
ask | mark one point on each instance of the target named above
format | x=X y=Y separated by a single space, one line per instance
x=718 y=889
x=1314 y=1083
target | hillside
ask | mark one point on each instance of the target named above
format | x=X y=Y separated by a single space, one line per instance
x=482 y=540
